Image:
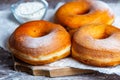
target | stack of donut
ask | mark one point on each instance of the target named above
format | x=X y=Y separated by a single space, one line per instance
x=94 y=40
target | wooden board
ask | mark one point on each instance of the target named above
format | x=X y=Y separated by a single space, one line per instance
x=47 y=70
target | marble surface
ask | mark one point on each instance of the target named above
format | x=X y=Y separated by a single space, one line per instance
x=6 y=63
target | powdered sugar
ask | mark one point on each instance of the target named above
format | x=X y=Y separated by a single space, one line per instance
x=28 y=8
x=29 y=11
x=42 y=41
x=111 y=43
x=102 y=6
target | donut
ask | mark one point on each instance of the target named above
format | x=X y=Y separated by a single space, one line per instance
x=39 y=42
x=97 y=45
x=75 y=14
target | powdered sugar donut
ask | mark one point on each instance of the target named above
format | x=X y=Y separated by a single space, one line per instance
x=97 y=45
x=40 y=42
x=82 y=12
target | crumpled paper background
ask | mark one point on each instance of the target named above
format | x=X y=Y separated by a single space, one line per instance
x=8 y=24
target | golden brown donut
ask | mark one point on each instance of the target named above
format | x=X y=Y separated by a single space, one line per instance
x=40 y=42
x=97 y=45
x=82 y=12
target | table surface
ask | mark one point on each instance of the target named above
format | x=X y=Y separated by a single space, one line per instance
x=6 y=63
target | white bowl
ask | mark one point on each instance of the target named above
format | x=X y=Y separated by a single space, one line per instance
x=35 y=15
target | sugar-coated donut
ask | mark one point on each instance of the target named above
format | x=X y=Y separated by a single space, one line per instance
x=40 y=42
x=82 y=12
x=97 y=45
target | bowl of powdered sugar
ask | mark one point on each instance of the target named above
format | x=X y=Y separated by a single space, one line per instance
x=29 y=10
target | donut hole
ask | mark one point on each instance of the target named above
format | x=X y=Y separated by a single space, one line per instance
x=101 y=31
x=35 y=28
x=84 y=12
x=78 y=8
x=104 y=36
x=38 y=31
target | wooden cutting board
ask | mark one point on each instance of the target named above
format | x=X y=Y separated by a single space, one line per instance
x=47 y=70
